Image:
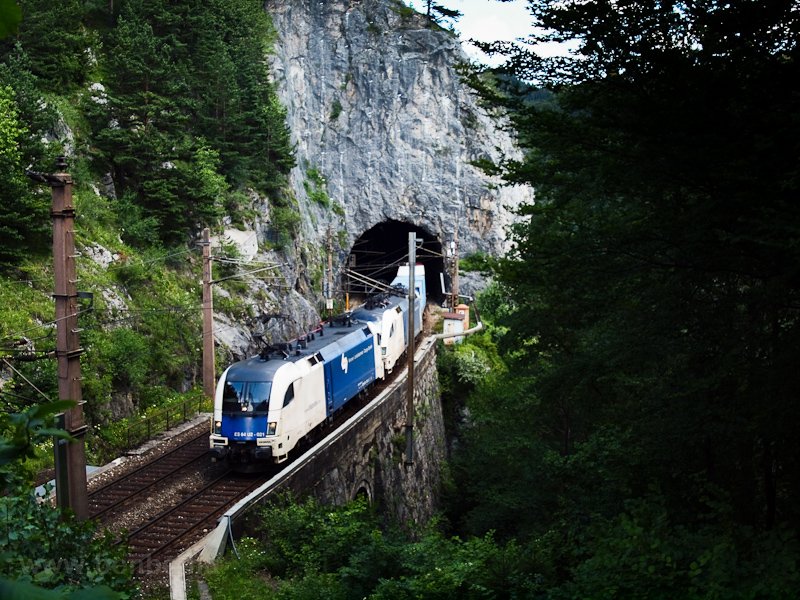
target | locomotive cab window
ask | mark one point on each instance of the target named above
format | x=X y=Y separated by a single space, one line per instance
x=289 y=395
x=251 y=397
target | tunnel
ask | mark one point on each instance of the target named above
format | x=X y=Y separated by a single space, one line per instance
x=381 y=249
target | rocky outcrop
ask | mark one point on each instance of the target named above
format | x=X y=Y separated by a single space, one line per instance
x=377 y=108
x=384 y=130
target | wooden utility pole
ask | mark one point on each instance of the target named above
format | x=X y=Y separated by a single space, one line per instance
x=70 y=456
x=412 y=262
x=209 y=374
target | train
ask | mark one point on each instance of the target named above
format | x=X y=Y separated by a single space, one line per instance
x=266 y=405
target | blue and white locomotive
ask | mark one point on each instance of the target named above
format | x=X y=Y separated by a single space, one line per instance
x=266 y=404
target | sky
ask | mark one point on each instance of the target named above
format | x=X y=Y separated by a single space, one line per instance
x=487 y=20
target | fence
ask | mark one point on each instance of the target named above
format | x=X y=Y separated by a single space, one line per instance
x=138 y=430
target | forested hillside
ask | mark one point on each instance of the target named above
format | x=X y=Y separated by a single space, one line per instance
x=169 y=120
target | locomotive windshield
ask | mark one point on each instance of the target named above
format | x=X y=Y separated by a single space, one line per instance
x=251 y=397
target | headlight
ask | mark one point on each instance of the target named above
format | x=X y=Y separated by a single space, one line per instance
x=217 y=427
x=383 y=351
x=272 y=428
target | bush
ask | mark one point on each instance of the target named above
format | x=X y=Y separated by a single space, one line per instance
x=316 y=551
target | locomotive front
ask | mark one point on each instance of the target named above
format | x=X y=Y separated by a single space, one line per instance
x=244 y=425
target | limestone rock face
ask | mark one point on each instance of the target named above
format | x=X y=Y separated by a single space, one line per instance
x=377 y=109
x=384 y=130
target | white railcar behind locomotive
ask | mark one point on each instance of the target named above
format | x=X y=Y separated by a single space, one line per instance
x=266 y=404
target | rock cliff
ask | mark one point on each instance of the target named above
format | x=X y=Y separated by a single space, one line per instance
x=385 y=131
x=380 y=115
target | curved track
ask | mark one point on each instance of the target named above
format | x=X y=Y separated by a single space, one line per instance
x=161 y=537
x=165 y=535
x=119 y=491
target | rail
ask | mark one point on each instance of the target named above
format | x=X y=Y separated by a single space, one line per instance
x=215 y=542
x=120 y=490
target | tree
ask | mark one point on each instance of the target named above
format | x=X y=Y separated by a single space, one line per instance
x=655 y=282
x=26 y=122
x=186 y=97
x=439 y=13
x=23 y=211
x=58 y=44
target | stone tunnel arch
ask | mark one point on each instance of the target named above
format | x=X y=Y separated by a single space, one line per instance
x=381 y=249
x=363 y=490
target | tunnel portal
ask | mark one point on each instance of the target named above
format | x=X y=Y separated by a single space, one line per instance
x=384 y=247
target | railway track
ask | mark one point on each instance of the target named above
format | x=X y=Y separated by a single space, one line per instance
x=165 y=536
x=162 y=535
x=120 y=491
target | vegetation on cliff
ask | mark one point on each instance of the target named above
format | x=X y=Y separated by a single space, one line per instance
x=167 y=114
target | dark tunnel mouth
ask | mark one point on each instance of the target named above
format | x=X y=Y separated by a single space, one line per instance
x=382 y=248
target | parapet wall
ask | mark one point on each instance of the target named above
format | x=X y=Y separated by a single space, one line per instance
x=364 y=456
x=367 y=455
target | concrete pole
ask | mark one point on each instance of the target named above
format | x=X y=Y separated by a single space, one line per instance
x=455 y=263
x=209 y=373
x=70 y=456
x=412 y=261
x=329 y=291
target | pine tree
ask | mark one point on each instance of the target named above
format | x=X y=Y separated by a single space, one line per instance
x=439 y=13
x=187 y=86
x=655 y=282
x=54 y=37
x=23 y=210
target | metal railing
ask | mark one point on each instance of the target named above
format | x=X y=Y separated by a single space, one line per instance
x=142 y=429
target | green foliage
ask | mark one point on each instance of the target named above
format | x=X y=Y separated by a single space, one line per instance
x=138 y=229
x=463 y=366
x=241 y=578
x=308 y=536
x=57 y=552
x=643 y=545
x=40 y=373
x=183 y=115
x=119 y=362
x=285 y=221
x=18 y=590
x=164 y=412
x=439 y=15
x=10 y=16
x=336 y=109
x=23 y=305
x=25 y=122
x=10 y=129
x=54 y=37
x=22 y=430
x=648 y=308
x=23 y=209
x=478 y=261
x=402 y=9
x=315 y=187
x=39 y=546
x=186 y=97
x=310 y=551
